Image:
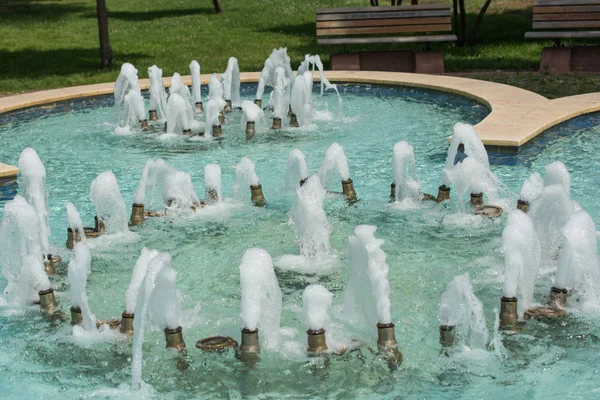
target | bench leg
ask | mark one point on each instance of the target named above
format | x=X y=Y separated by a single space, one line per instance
x=556 y=60
x=429 y=62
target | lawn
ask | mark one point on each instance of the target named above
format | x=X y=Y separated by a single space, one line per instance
x=54 y=43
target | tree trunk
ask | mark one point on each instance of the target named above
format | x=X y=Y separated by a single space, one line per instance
x=218 y=6
x=479 y=19
x=462 y=38
x=105 y=49
x=455 y=18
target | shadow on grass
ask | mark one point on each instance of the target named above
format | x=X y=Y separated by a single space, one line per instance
x=35 y=64
x=19 y=11
x=154 y=14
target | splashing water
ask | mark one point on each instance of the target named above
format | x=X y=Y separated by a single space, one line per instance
x=231 y=82
x=335 y=161
x=245 y=176
x=158 y=94
x=139 y=273
x=75 y=222
x=315 y=61
x=297 y=169
x=80 y=268
x=110 y=207
x=459 y=307
x=212 y=184
x=405 y=173
x=261 y=296
x=127 y=80
x=317 y=305
x=196 y=84
x=532 y=187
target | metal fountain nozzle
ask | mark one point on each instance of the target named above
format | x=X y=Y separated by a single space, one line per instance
x=508 y=313
x=250 y=342
x=76 y=316
x=348 y=190
x=276 y=123
x=47 y=300
x=217 y=131
x=446 y=335
x=228 y=106
x=257 y=197
x=174 y=339
x=316 y=341
x=476 y=199
x=258 y=102
x=294 y=121
x=199 y=107
x=443 y=194
x=523 y=205
x=153 y=115
x=127 y=323
x=393 y=191
x=250 y=129
x=137 y=214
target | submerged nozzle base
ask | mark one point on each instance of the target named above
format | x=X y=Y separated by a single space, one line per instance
x=276 y=123
x=137 y=214
x=294 y=121
x=523 y=205
x=47 y=300
x=216 y=343
x=250 y=343
x=348 y=190
x=174 y=339
x=257 y=197
x=127 y=323
x=443 y=194
x=76 y=316
x=316 y=341
x=508 y=313
x=250 y=129
x=446 y=335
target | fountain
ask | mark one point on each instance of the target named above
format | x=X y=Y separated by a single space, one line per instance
x=367 y=295
x=277 y=59
x=110 y=207
x=522 y=255
x=126 y=83
x=531 y=191
x=196 y=85
x=301 y=100
x=279 y=97
x=21 y=252
x=231 y=84
x=315 y=61
x=79 y=270
x=133 y=290
x=335 y=161
x=212 y=184
x=215 y=92
x=251 y=115
x=406 y=186
x=310 y=221
x=178 y=118
x=317 y=304
x=297 y=172
x=34 y=190
x=158 y=95
x=461 y=317
x=260 y=303
x=246 y=177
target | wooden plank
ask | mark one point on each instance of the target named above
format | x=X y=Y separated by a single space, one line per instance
x=382 y=9
x=375 y=15
x=567 y=17
x=383 y=22
x=396 y=39
x=570 y=9
x=385 y=29
x=564 y=2
x=566 y=25
x=562 y=35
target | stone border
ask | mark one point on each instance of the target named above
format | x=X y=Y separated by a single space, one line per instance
x=516 y=116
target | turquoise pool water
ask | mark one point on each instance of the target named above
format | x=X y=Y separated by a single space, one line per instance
x=425 y=250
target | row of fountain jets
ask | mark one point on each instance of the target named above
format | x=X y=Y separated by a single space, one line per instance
x=290 y=96
x=556 y=228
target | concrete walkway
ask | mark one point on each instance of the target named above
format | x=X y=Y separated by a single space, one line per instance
x=517 y=115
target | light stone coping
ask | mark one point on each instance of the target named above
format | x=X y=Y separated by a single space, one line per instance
x=516 y=116
x=7 y=171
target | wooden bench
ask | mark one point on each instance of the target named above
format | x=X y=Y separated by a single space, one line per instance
x=424 y=23
x=572 y=18
x=567 y=19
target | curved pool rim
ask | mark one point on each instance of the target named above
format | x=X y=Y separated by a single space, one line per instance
x=517 y=115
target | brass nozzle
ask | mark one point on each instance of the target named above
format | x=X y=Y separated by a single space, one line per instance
x=187 y=132
x=153 y=115
x=137 y=214
x=228 y=107
x=47 y=300
x=508 y=313
x=523 y=205
x=294 y=121
x=144 y=125
x=348 y=190
x=221 y=118
x=250 y=129
x=99 y=225
x=276 y=123
x=216 y=343
x=316 y=341
x=250 y=343
x=558 y=297
x=476 y=199
x=446 y=335
x=174 y=338
x=393 y=191
x=72 y=238
x=127 y=323
x=49 y=266
x=386 y=336
x=199 y=107
x=258 y=102
x=257 y=197
x=76 y=316
x=443 y=194
x=217 y=131
x=303 y=181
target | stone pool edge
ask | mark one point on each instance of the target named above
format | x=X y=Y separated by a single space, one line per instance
x=517 y=115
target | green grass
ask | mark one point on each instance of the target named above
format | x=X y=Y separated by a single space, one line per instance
x=54 y=43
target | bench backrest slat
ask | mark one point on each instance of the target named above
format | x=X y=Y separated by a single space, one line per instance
x=564 y=14
x=360 y=21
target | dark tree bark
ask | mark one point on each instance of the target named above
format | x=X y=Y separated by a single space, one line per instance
x=455 y=18
x=106 y=56
x=478 y=21
x=218 y=6
x=462 y=37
